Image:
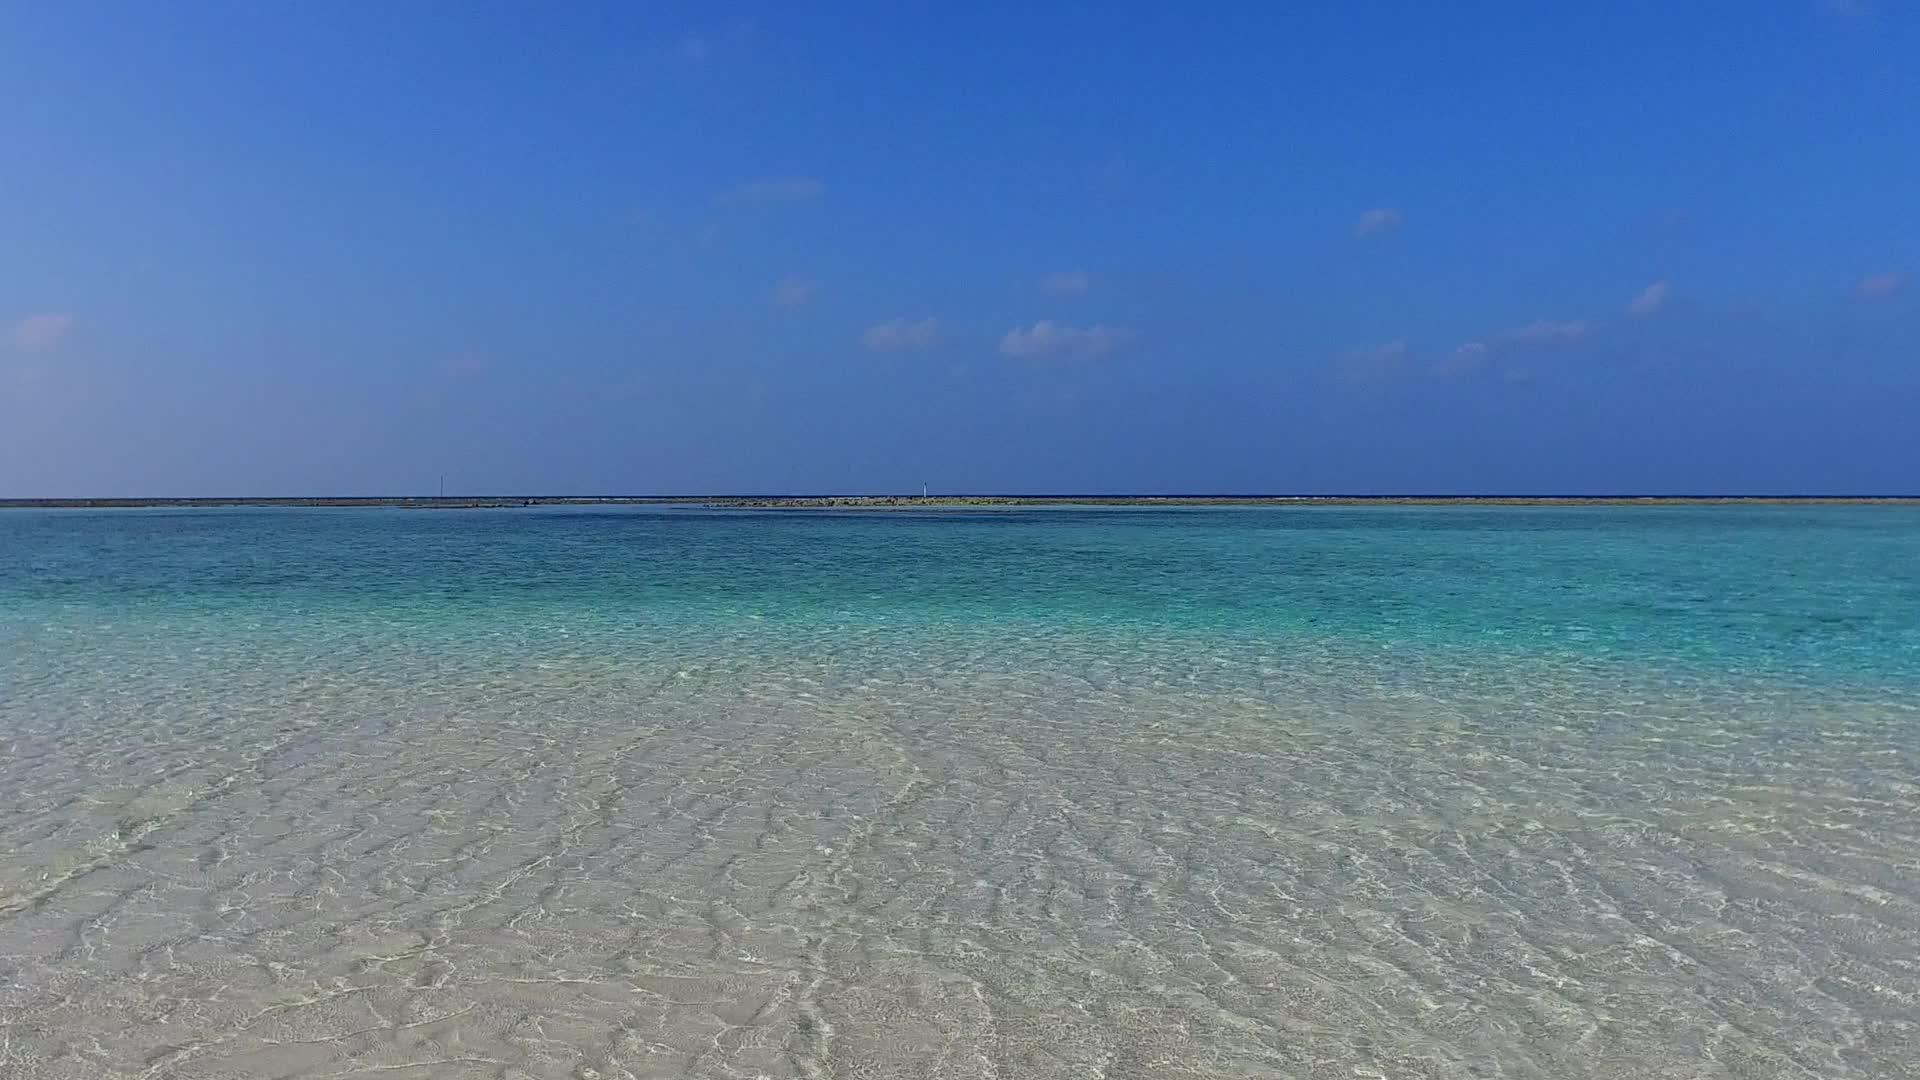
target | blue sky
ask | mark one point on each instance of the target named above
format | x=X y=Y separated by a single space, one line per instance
x=298 y=249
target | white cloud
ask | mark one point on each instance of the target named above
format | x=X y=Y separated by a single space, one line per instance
x=794 y=292
x=1467 y=358
x=1066 y=283
x=1879 y=286
x=39 y=331
x=1545 y=331
x=1048 y=340
x=774 y=189
x=902 y=335
x=1651 y=299
x=1382 y=219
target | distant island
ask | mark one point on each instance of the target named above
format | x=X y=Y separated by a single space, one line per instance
x=949 y=502
x=913 y=502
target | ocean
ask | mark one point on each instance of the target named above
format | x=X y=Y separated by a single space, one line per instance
x=606 y=794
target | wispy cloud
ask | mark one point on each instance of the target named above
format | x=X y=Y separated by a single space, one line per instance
x=1066 y=283
x=1048 y=340
x=1501 y=352
x=1373 y=363
x=1379 y=220
x=774 y=189
x=1546 y=332
x=712 y=42
x=794 y=292
x=1880 y=286
x=902 y=335
x=1469 y=357
x=40 y=331
x=1651 y=299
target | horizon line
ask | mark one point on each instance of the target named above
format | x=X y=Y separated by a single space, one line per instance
x=755 y=500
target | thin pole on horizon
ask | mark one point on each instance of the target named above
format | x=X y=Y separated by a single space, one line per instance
x=443 y=485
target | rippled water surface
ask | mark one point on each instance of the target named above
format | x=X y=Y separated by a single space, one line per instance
x=1306 y=792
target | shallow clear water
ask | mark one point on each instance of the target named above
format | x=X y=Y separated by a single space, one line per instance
x=655 y=793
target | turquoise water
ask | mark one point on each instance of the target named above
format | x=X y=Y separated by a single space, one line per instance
x=1448 y=792
x=1788 y=593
